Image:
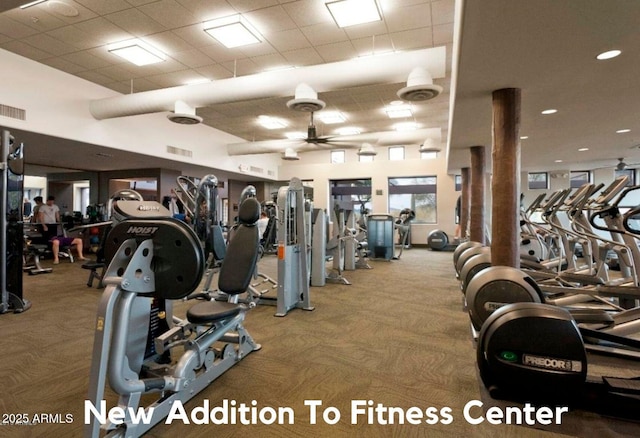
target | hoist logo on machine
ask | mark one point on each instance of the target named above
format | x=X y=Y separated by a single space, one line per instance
x=552 y=363
x=148 y=208
x=142 y=231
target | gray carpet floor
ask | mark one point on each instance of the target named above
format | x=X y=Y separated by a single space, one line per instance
x=396 y=336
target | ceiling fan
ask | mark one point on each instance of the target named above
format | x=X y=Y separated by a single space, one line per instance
x=306 y=100
x=621 y=165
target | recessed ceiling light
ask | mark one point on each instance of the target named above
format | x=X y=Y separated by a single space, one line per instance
x=271 y=122
x=405 y=126
x=608 y=55
x=558 y=161
x=351 y=12
x=28 y=5
x=398 y=111
x=524 y=137
x=232 y=31
x=331 y=117
x=583 y=149
x=348 y=131
x=299 y=135
x=137 y=52
x=550 y=111
x=623 y=131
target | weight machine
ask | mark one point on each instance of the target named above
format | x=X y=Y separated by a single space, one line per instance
x=12 y=241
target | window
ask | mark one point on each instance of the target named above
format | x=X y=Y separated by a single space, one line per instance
x=457 y=182
x=630 y=173
x=538 y=180
x=396 y=153
x=579 y=178
x=428 y=155
x=366 y=158
x=417 y=193
x=351 y=194
x=337 y=157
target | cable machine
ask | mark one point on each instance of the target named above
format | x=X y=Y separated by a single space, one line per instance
x=11 y=243
x=294 y=229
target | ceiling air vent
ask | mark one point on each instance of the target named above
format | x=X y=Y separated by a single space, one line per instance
x=178 y=151
x=255 y=169
x=13 y=112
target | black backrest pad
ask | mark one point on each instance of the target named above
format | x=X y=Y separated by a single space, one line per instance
x=178 y=259
x=249 y=211
x=242 y=252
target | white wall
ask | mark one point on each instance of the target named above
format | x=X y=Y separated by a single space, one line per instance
x=57 y=104
x=36 y=182
x=317 y=166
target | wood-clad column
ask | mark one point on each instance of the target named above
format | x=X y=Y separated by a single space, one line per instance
x=476 y=213
x=465 y=202
x=505 y=184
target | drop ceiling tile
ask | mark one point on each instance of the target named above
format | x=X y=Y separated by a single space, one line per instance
x=242 y=67
x=323 y=33
x=36 y=18
x=62 y=65
x=135 y=22
x=443 y=34
x=169 y=13
x=337 y=51
x=140 y=2
x=64 y=11
x=412 y=39
x=102 y=7
x=75 y=36
x=270 y=20
x=102 y=31
x=410 y=17
x=142 y=84
x=26 y=50
x=288 y=40
x=173 y=79
x=120 y=87
x=214 y=72
x=95 y=77
x=366 y=29
x=219 y=53
x=300 y=57
x=208 y=9
x=192 y=58
x=259 y=49
x=377 y=45
x=117 y=73
x=167 y=66
x=442 y=11
x=49 y=44
x=270 y=61
x=251 y=5
x=167 y=42
x=15 y=29
x=86 y=60
x=195 y=35
x=308 y=13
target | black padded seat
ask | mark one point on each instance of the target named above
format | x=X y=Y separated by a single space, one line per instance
x=208 y=312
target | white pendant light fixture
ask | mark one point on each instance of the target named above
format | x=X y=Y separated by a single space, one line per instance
x=184 y=114
x=419 y=87
x=367 y=150
x=429 y=146
x=290 y=155
x=305 y=99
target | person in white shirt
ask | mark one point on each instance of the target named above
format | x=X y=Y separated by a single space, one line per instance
x=262 y=224
x=49 y=217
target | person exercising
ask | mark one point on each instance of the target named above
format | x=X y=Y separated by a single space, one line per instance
x=58 y=241
x=49 y=217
